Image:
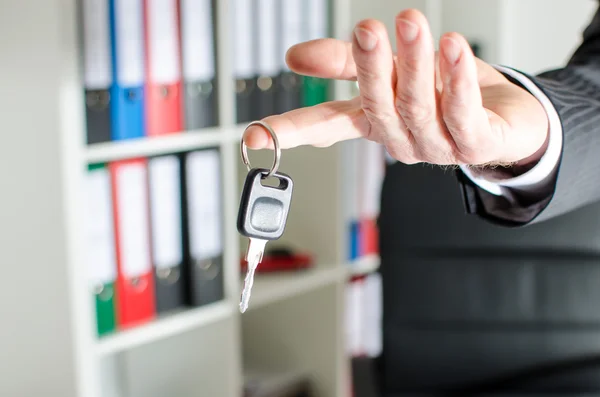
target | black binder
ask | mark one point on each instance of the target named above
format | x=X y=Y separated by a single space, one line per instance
x=164 y=182
x=292 y=26
x=244 y=65
x=289 y=93
x=265 y=96
x=244 y=96
x=201 y=104
x=94 y=37
x=203 y=235
x=98 y=116
x=200 y=78
x=266 y=13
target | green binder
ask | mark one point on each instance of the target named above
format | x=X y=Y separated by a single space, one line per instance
x=101 y=238
x=315 y=90
x=105 y=309
x=319 y=24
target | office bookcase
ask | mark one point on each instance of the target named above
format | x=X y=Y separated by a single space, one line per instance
x=49 y=342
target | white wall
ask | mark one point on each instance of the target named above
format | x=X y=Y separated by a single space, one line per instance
x=547 y=41
x=478 y=21
x=385 y=11
x=531 y=35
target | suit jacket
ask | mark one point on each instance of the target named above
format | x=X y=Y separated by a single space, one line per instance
x=574 y=90
x=467 y=301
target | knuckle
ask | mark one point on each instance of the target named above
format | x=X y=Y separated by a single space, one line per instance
x=469 y=147
x=394 y=151
x=369 y=104
x=410 y=65
x=459 y=127
x=437 y=153
x=375 y=112
x=430 y=154
x=461 y=132
x=366 y=71
x=449 y=158
x=403 y=152
x=416 y=114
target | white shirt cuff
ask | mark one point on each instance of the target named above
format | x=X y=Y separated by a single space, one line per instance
x=537 y=178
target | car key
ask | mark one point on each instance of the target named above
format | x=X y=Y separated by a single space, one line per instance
x=262 y=217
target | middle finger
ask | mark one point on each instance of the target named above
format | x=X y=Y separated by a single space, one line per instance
x=416 y=94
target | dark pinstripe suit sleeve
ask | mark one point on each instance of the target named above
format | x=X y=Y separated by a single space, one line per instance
x=575 y=93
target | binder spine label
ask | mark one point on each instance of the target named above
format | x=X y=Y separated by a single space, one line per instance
x=165 y=200
x=204 y=205
x=101 y=256
x=198 y=40
x=292 y=27
x=316 y=89
x=96 y=43
x=318 y=19
x=163 y=46
x=268 y=63
x=129 y=37
x=133 y=220
x=244 y=23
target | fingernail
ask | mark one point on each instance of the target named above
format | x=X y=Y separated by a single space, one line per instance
x=451 y=50
x=366 y=40
x=408 y=30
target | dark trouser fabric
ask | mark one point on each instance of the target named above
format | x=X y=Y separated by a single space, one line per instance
x=467 y=302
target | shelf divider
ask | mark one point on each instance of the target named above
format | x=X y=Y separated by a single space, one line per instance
x=162 y=328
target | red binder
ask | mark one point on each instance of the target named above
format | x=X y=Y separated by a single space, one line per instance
x=164 y=111
x=370 y=177
x=135 y=301
x=369 y=235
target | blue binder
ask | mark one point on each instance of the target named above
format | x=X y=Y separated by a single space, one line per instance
x=127 y=42
x=355 y=246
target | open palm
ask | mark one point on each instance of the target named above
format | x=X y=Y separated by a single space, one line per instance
x=441 y=108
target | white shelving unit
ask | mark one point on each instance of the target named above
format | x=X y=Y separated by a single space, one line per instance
x=48 y=337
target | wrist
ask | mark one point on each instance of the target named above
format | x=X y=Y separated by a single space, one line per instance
x=527 y=163
x=533 y=174
x=537 y=123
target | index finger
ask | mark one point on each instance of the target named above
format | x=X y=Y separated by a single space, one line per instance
x=320 y=126
x=324 y=58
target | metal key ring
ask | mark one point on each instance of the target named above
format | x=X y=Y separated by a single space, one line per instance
x=277 y=158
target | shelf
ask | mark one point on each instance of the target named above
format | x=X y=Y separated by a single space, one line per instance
x=163 y=328
x=152 y=146
x=273 y=287
x=363 y=266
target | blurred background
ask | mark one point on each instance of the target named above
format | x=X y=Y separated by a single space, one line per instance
x=121 y=174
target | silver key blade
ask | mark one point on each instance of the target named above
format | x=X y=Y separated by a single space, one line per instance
x=254 y=256
x=255 y=250
x=248 y=286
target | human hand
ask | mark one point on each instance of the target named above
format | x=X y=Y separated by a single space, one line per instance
x=443 y=108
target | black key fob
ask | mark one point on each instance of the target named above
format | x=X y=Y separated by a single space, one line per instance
x=264 y=209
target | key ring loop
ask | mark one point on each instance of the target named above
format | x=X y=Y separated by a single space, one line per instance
x=276 y=159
